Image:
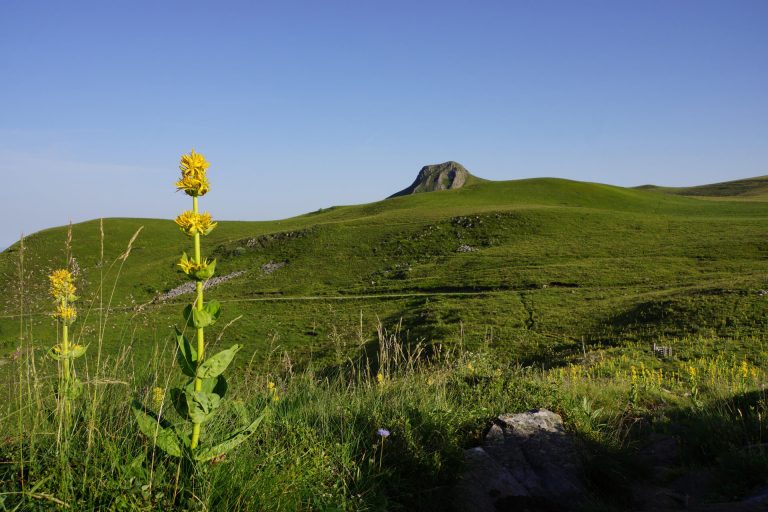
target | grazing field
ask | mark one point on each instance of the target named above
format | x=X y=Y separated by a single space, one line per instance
x=425 y=314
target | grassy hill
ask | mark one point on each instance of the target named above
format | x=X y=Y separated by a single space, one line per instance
x=530 y=267
x=749 y=189
x=427 y=314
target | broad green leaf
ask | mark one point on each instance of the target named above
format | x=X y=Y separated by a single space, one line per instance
x=54 y=355
x=206 y=272
x=78 y=351
x=186 y=355
x=164 y=438
x=214 y=309
x=204 y=454
x=201 y=405
x=216 y=385
x=73 y=353
x=201 y=318
x=216 y=364
x=196 y=318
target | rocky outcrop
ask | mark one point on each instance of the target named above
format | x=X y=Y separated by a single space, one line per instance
x=446 y=176
x=526 y=462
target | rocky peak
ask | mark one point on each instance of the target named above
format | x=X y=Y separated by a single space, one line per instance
x=446 y=176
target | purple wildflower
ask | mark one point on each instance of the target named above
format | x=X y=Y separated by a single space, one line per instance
x=383 y=432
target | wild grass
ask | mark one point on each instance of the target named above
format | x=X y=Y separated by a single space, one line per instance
x=318 y=447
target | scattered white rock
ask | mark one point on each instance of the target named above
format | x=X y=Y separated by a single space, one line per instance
x=189 y=287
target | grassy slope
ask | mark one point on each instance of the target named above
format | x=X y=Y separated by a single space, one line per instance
x=556 y=261
x=749 y=189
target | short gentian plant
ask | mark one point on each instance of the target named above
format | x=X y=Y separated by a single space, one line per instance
x=65 y=351
x=197 y=401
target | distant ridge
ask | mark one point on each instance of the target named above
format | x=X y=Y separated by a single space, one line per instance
x=432 y=178
x=754 y=189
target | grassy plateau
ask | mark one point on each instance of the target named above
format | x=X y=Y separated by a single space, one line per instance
x=426 y=314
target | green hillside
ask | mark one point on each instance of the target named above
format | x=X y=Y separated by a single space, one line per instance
x=426 y=315
x=529 y=267
x=749 y=189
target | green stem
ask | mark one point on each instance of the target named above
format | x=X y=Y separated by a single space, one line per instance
x=64 y=390
x=200 y=336
x=65 y=350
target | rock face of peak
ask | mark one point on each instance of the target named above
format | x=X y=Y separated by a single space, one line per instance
x=431 y=178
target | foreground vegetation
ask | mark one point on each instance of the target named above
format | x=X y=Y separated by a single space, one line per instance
x=318 y=447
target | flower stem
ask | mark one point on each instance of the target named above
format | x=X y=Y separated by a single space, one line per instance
x=200 y=335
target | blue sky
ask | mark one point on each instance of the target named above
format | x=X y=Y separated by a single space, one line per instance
x=302 y=105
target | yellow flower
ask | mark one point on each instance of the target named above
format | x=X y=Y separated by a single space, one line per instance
x=271 y=386
x=189 y=266
x=66 y=313
x=193 y=223
x=62 y=285
x=158 y=396
x=193 y=164
x=380 y=378
x=744 y=369
x=194 y=185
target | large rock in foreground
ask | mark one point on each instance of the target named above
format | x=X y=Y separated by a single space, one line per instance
x=526 y=462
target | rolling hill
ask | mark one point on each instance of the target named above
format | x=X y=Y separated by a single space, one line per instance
x=749 y=189
x=531 y=268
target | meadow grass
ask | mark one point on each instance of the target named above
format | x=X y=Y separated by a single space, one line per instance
x=318 y=447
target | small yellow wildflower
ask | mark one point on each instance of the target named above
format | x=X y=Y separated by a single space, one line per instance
x=744 y=369
x=271 y=386
x=380 y=378
x=158 y=396
x=275 y=398
x=470 y=367
x=693 y=372
x=193 y=223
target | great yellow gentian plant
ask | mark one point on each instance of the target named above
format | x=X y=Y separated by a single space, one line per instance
x=197 y=401
x=63 y=292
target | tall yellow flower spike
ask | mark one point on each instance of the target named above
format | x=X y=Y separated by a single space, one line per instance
x=203 y=393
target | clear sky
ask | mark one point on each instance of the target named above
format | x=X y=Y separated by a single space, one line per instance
x=302 y=105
